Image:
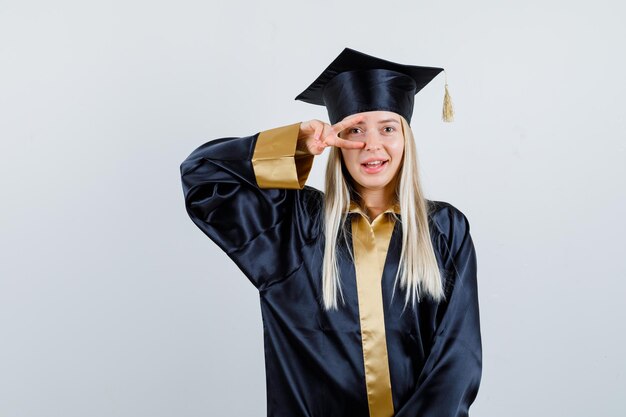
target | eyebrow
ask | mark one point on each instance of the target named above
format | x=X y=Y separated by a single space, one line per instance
x=382 y=121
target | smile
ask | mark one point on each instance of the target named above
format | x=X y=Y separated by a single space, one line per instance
x=374 y=167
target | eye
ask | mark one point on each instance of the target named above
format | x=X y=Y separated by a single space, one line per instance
x=389 y=127
x=352 y=130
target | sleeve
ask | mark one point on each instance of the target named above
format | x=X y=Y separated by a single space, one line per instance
x=247 y=194
x=450 y=378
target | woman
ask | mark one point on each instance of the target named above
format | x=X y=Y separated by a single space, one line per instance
x=338 y=342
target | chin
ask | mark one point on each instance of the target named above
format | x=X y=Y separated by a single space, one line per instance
x=373 y=183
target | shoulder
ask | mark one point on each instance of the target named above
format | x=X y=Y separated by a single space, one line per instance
x=312 y=194
x=312 y=199
x=445 y=215
x=310 y=209
x=448 y=222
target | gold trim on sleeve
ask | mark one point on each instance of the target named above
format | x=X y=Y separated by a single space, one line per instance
x=275 y=161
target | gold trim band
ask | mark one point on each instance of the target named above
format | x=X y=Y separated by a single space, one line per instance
x=275 y=162
x=371 y=243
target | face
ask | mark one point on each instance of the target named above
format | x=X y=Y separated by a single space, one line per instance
x=375 y=165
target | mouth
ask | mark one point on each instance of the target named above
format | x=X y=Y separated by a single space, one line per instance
x=374 y=167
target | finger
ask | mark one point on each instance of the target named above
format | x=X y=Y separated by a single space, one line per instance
x=347 y=122
x=344 y=143
x=318 y=131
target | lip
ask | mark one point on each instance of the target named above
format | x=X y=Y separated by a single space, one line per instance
x=376 y=169
x=374 y=159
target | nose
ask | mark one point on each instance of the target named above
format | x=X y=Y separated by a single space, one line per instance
x=372 y=142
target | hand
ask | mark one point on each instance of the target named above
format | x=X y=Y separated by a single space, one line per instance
x=315 y=135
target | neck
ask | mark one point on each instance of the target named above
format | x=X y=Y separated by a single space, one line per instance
x=376 y=201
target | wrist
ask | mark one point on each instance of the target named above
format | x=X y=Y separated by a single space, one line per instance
x=301 y=148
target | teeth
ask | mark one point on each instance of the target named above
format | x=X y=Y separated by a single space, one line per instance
x=376 y=163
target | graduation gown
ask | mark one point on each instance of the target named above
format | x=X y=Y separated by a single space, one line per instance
x=367 y=358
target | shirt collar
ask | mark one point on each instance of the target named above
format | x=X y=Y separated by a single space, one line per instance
x=354 y=208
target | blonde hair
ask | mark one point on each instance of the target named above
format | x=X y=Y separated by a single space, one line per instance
x=418 y=269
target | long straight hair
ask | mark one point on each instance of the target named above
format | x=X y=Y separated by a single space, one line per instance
x=418 y=270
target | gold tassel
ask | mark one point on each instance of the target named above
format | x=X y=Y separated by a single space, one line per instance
x=448 y=110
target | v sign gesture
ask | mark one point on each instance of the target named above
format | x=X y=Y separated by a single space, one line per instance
x=315 y=135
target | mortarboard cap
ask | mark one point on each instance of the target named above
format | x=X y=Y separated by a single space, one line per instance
x=356 y=82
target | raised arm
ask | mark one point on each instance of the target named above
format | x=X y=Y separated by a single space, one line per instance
x=248 y=195
x=449 y=381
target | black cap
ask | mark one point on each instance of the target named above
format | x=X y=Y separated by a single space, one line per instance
x=356 y=82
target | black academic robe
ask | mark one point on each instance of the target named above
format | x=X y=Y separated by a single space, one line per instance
x=250 y=199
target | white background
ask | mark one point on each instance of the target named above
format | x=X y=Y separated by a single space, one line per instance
x=113 y=303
